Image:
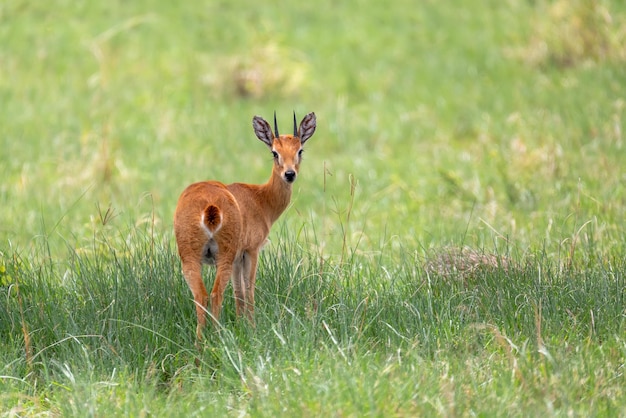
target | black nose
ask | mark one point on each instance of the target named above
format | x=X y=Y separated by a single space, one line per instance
x=290 y=176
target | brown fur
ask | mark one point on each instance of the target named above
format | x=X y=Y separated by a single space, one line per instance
x=227 y=225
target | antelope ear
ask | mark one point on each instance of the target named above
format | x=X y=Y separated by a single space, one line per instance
x=262 y=130
x=307 y=127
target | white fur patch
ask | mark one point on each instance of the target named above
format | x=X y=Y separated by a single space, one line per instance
x=206 y=230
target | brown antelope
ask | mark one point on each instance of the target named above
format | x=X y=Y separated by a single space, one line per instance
x=226 y=225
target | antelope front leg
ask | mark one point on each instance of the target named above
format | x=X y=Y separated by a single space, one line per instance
x=239 y=285
x=249 y=274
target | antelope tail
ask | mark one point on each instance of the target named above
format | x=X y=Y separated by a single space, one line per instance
x=211 y=219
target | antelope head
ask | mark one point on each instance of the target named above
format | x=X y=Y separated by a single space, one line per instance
x=287 y=148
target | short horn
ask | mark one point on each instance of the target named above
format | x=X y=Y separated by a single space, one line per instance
x=275 y=126
x=295 y=125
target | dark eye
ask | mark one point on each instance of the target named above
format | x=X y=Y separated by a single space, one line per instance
x=275 y=154
x=300 y=152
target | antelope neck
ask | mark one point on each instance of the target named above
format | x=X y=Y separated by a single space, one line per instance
x=277 y=193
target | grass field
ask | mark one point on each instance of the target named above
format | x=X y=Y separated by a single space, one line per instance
x=455 y=244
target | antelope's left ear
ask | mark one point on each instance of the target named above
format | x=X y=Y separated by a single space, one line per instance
x=307 y=127
x=262 y=130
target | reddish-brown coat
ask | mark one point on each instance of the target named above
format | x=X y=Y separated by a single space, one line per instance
x=229 y=224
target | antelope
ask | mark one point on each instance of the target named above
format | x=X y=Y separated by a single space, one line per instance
x=227 y=225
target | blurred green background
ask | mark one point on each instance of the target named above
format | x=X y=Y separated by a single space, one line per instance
x=479 y=122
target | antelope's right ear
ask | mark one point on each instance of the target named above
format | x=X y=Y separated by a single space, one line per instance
x=307 y=127
x=262 y=130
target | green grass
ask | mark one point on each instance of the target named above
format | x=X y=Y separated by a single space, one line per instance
x=114 y=335
x=455 y=244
